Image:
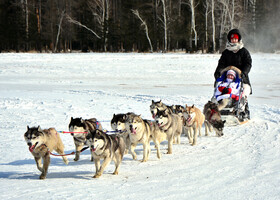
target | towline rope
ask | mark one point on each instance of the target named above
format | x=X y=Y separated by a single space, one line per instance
x=64 y=154
x=71 y=132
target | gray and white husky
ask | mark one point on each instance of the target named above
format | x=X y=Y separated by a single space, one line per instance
x=143 y=131
x=158 y=105
x=171 y=124
x=82 y=125
x=41 y=143
x=107 y=147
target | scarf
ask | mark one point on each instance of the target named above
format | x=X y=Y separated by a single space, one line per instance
x=234 y=47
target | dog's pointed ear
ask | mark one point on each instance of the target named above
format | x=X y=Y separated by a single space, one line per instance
x=153 y=102
x=98 y=132
x=193 y=106
x=186 y=105
x=114 y=115
x=39 y=128
x=72 y=118
x=224 y=121
x=28 y=128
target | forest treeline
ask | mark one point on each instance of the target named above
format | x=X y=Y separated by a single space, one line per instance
x=136 y=25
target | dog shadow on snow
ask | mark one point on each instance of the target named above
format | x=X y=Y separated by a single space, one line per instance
x=34 y=173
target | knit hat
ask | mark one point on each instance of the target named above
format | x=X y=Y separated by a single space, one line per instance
x=234 y=35
x=232 y=32
x=231 y=72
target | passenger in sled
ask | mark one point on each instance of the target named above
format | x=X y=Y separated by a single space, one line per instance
x=238 y=56
x=229 y=94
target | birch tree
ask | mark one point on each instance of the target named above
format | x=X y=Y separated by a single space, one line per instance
x=59 y=30
x=207 y=7
x=100 y=10
x=192 y=6
x=136 y=13
x=71 y=20
x=213 y=24
x=164 y=24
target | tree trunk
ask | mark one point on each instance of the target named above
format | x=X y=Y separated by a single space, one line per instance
x=213 y=25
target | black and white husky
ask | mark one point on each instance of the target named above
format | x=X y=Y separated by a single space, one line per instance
x=81 y=126
x=118 y=124
x=107 y=147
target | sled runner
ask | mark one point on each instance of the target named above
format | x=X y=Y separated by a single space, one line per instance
x=233 y=107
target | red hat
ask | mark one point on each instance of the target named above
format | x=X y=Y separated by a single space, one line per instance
x=234 y=35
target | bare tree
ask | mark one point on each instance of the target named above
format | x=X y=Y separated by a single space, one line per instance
x=192 y=6
x=207 y=6
x=164 y=24
x=101 y=10
x=59 y=29
x=213 y=24
x=135 y=12
x=79 y=24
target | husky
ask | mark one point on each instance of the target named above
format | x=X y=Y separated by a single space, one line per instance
x=160 y=106
x=143 y=131
x=82 y=125
x=107 y=147
x=171 y=124
x=118 y=124
x=194 y=120
x=41 y=143
x=213 y=119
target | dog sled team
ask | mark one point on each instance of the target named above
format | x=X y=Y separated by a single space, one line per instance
x=228 y=104
x=130 y=129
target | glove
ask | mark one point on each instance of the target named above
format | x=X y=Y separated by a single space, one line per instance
x=235 y=97
x=226 y=91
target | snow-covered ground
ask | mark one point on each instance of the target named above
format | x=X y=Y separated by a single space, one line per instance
x=49 y=89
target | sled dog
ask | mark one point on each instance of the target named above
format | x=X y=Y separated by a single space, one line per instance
x=82 y=125
x=171 y=124
x=118 y=124
x=142 y=131
x=194 y=120
x=213 y=119
x=41 y=143
x=107 y=147
x=160 y=106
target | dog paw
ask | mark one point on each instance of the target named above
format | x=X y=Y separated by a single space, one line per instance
x=144 y=160
x=115 y=173
x=76 y=159
x=43 y=176
x=96 y=176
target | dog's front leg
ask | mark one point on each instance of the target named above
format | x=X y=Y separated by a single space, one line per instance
x=46 y=160
x=195 y=135
x=103 y=166
x=157 y=146
x=97 y=166
x=207 y=129
x=146 y=152
x=79 y=147
x=190 y=135
x=132 y=148
x=38 y=161
x=170 y=143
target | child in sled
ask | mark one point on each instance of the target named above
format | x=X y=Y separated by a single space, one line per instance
x=229 y=88
x=229 y=92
